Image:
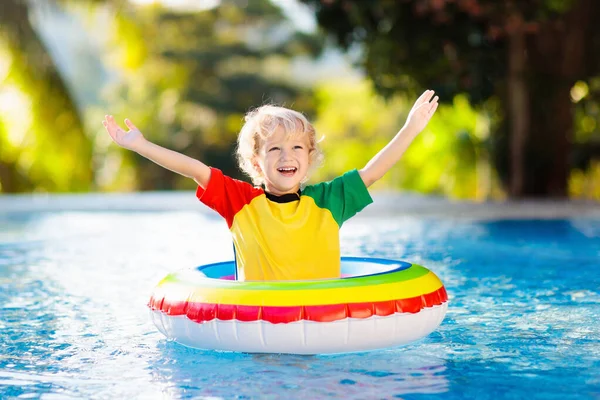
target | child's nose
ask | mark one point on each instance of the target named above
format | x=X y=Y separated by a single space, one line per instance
x=284 y=154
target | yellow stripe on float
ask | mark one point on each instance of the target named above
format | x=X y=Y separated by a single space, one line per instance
x=389 y=291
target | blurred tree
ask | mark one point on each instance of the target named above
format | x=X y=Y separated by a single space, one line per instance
x=449 y=158
x=187 y=79
x=42 y=142
x=528 y=54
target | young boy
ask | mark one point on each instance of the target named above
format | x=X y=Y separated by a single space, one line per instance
x=280 y=231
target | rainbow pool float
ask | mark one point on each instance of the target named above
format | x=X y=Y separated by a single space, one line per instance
x=378 y=303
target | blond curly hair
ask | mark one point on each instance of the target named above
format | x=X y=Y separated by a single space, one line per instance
x=260 y=124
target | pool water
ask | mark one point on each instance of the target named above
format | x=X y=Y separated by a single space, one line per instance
x=523 y=320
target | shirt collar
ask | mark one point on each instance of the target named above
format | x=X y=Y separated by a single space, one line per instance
x=284 y=198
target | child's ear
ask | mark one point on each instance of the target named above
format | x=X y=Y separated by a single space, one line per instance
x=256 y=164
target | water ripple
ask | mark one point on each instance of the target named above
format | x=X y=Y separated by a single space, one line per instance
x=524 y=306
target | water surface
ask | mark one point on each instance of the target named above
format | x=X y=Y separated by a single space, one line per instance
x=522 y=322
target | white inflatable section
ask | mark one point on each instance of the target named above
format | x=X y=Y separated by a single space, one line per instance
x=302 y=337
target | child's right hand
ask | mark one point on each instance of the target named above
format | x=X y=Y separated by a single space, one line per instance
x=128 y=139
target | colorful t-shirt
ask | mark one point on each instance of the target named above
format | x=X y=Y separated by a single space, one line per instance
x=291 y=237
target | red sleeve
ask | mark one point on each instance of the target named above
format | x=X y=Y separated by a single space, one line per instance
x=226 y=195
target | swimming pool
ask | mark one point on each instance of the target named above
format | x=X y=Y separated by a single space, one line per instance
x=75 y=278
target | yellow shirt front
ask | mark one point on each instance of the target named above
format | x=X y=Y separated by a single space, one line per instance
x=290 y=237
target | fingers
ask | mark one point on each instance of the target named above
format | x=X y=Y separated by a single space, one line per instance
x=433 y=108
x=130 y=125
x=428 y=108
x=428 y=105
x=109 y=122
x=433 y=104
x=114 y=130
x=425 y=97
x=105 y=124
x=110 y=126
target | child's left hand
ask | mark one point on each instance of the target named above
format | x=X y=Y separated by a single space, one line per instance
x=422 y=112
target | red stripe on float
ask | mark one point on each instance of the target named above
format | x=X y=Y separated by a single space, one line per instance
x=156 y=302
x=248 y=313
x=412 y=305
x=279 y=315
x=326 y=313
x=175 y=307
x=226 y=312
x=361 y=310
x=204 y=312
x=383 y=308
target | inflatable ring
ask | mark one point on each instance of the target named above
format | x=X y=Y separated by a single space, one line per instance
x=377 y=303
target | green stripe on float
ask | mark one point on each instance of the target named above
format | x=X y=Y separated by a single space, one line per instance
x=192 y=278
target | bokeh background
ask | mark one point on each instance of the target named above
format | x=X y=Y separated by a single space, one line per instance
x=519 y=82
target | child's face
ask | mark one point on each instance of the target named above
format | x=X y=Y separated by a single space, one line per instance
x=283 y=162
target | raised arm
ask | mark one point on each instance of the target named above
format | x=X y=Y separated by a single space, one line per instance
x=169 y=159
x=417 y=120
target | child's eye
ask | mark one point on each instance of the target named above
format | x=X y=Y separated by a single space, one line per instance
x=274 y=149
x=298 y=147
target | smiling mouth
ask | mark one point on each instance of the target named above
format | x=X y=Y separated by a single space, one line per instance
x=287 y=171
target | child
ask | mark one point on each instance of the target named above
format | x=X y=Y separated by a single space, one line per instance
x=282 y=231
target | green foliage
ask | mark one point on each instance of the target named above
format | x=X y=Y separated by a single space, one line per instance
x=354 y=124
x=42 y=143
x=558 y=6
x=452 y=47
x=187 y=79
x=463 y=47
x=449 y=158
x=450 y=54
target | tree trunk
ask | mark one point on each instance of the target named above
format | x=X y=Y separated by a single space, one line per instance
x=543 y=127
x=7 y=183
x=517 y=107
x=11 y=181
x=551 y=130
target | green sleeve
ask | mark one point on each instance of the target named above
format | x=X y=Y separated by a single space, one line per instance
x=343 y=197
